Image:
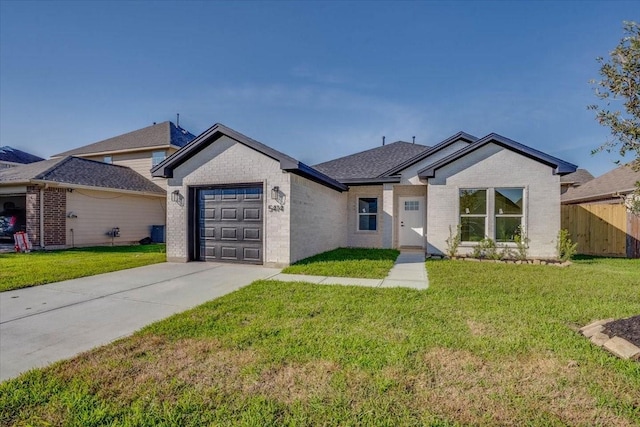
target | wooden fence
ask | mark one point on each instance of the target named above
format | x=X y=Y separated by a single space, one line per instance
x=601 y=229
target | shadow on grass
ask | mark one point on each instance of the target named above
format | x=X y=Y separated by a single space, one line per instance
x=352 y=254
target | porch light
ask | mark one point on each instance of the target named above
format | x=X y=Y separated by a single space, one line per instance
x=275 y=192
x=176 y=196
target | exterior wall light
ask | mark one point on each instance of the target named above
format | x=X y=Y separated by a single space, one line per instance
x=176 y=197
x=275 y=192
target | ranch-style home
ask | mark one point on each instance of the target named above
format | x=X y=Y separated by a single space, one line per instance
x=232 y=198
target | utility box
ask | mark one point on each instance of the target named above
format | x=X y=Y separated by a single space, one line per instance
x=157 y=233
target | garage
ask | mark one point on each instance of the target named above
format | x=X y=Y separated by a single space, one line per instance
x=12 y=215
x=229 y=223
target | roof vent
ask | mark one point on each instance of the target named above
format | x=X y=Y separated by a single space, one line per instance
x=414 y=139
x=383 y=140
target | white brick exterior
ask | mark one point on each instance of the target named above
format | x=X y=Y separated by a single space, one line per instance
x=489 y=167
x=365 y=239
x=318 y=218
x=314 y=217
x=228 y=162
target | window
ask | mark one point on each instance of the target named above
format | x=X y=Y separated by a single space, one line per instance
x=367 y=214
x=508 y=212
x=473 y=214
x=157 y=157
x=411 y=205
x=108 y=159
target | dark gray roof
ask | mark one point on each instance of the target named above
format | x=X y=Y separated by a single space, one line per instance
x=621 y=180
x=158 y=135
x=371 y=163
x=579 y=177
x=560 y=166
x=206 y=138
x=13 y=155
x=78 y=171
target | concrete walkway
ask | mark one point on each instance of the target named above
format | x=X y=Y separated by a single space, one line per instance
x=408 y=272
x=43 y=324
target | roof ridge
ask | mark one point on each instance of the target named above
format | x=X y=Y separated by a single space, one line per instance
x=53 y=167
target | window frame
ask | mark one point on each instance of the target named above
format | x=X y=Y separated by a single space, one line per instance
x=470 y=215
x=368 y=214
x=497 y=215
x=153 y=158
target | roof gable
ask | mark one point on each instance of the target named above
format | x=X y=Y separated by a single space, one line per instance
x=560 y=167
x=163 y=134
x=620 y=180
x=372 y=163
x=460 y=136
x=80 y=172
x=287 y=163
x=13 y=155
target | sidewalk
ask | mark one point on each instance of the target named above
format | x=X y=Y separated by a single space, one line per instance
x=408 y=272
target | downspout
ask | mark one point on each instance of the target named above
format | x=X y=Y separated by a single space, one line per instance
x=42 y=217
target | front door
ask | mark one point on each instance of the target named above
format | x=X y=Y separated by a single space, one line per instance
x=411 y=216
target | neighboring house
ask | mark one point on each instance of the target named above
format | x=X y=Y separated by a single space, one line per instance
x=10 y=157
x=231 y=198
x=140 y=150
x=610 y=188
x=596 y=216
x=71 y=201
x=574 y=180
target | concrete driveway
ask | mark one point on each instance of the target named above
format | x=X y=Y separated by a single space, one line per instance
x=44 y=324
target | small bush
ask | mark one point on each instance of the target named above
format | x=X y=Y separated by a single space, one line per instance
x=565 y=247
x=453 y=241
x=522 y=246
x=486 y=248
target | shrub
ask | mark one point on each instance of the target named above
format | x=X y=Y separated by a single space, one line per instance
x=453 y=241
x=522 y=246
x=565 y=247
x=486 y=248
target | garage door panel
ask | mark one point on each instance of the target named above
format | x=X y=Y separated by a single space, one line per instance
x=230 y=224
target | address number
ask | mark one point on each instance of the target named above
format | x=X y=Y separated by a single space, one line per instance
x=276 y=208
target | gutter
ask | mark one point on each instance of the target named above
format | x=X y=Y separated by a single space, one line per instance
x=88 y=187
x=42 y=216
x=597 y=197
x=371 y=181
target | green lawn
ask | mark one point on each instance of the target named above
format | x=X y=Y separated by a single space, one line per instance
x=19 y=270
x=347 y=262
x=486 y=344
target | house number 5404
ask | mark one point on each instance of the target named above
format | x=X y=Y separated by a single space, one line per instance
x=276 y=208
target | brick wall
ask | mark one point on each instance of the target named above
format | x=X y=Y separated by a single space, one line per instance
x=55 y=220
x=33 y=214
x=490 y=167
x=228 y=162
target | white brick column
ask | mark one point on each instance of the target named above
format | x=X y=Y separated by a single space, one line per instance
x=387 y=216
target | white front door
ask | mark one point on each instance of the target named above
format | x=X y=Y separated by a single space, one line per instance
x=411 y=217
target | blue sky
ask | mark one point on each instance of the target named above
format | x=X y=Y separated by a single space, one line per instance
x=316 y=80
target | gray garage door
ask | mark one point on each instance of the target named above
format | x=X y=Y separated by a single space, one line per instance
x=230 y=224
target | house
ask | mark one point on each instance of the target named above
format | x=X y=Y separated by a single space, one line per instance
x=598 y=217
x=232 y=198
x=140 y=150
x=72 y=201
x=10 y=157
x=574 y=180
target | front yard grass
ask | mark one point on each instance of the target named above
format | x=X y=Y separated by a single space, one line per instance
x=486 y=344
x=347 y=262
x=19 y=270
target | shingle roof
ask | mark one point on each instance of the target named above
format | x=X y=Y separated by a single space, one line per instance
x=157 y=135
x=13 y=155
x=580 y=176
x=371 y=163
x=78 y=171
x=620 y=180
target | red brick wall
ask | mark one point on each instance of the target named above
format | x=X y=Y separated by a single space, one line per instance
x=55 y=218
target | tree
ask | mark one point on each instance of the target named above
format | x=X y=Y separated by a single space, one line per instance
x=621 y=82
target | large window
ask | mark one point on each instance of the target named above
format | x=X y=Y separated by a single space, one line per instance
x=157 y=157
x=508 y=213
x=367 y=214
x=473 y=214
